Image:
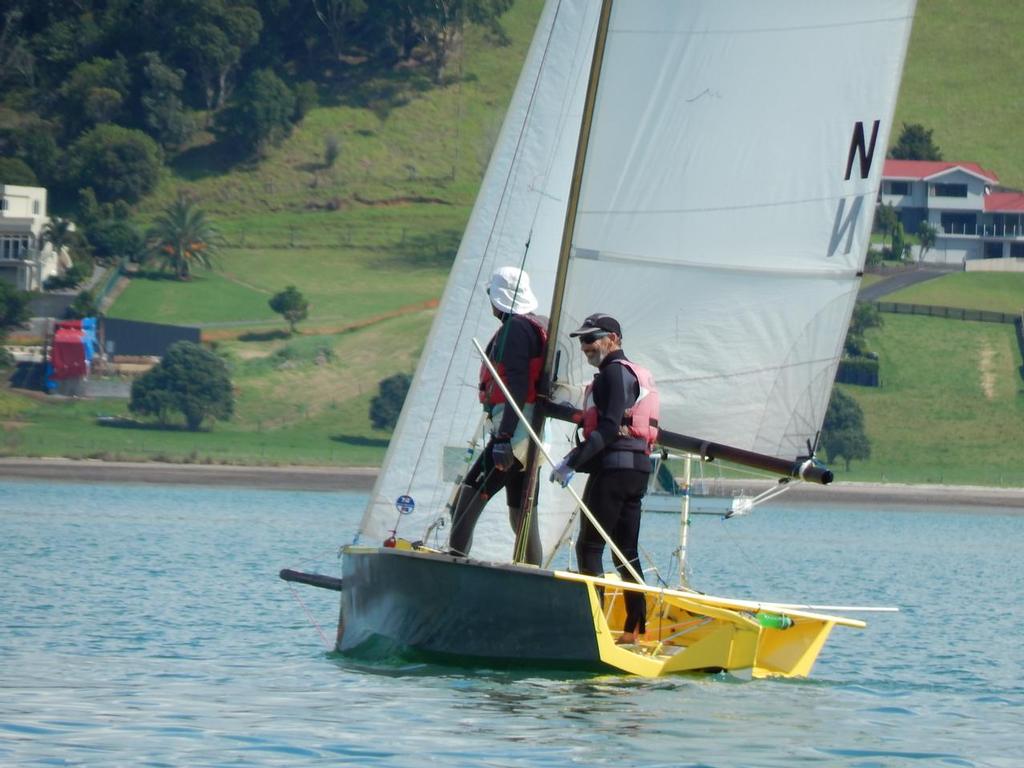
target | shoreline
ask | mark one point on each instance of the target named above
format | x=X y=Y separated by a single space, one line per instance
x=361 y=479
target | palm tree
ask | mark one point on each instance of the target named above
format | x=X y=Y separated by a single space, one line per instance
x=182 y=237
x=59 y=233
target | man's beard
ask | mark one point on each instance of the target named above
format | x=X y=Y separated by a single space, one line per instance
x=595 y=357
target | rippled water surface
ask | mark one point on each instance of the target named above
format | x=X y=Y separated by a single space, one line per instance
x=145 y=625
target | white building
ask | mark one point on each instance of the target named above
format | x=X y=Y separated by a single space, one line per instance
x=974 y=219
x=25 y=260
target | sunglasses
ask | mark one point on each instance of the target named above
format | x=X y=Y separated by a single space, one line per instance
x=590 y=338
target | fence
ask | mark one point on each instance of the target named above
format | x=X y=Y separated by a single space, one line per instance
x=109 y=281
x=954 y=313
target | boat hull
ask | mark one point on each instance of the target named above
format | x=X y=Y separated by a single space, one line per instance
x=406 y=603
x=398 y=601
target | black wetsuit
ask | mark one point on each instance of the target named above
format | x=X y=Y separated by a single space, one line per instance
x=619 y=468
x=514 y=345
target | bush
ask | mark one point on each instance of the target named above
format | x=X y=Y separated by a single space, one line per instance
x=387 y=405
x=260 y=113
x=189 y=380
x=862 y=371
x=113 y=238
x=84 y=305
x=118 y=163
x=72 y=277
x=306 y=98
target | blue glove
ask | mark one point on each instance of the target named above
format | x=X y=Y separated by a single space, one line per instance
x=501 y=455
x=562 y=474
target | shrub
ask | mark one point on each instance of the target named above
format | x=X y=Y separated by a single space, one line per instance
x=189 y=380
x=387 y=404
x=118 y=163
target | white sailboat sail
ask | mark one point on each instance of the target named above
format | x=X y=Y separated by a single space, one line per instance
x=522 y=199
x=726 y=203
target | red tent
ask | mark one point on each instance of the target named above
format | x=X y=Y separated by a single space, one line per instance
x=68 y=353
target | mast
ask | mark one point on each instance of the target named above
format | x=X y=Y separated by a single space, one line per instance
x=533 y=456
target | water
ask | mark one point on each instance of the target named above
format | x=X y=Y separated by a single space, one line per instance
x=146 y=625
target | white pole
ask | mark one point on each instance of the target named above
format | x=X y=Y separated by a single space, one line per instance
x=547 y=457
x=684 y=521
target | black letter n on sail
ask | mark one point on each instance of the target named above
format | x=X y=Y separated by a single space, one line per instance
x=857 y=148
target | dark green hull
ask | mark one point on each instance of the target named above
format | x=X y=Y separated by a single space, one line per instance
x=433 y=606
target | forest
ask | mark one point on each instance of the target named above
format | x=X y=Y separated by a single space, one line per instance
x=97 y=95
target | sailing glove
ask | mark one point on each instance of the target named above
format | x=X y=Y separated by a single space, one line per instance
x=563 y=473
x=501 y=455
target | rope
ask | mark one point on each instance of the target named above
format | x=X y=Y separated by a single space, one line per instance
x=313 y=621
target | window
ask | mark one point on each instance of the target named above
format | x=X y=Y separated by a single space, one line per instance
x=899 y=188
x=1017 y=250
x=3 y=203
x=959 y=223
x=993 y=250
x=35 y=207
x=950 y=190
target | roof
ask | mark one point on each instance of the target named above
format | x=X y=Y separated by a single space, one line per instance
x=1004 y=202
x=920 y=170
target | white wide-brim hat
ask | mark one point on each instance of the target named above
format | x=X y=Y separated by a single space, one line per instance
x=510 y=292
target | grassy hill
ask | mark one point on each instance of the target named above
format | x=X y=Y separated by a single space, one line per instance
x=370 y=239
x=962 y=80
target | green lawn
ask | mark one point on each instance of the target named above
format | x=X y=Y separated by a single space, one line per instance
x=299 y=400
x=950 y=408
x=991 y=291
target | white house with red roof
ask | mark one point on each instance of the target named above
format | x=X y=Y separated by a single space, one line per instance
x=975 y=219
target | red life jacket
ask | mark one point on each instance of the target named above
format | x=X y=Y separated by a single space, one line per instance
x=490 y=393
x=640 y=421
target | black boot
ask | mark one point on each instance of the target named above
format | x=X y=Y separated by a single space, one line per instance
x=468 y=506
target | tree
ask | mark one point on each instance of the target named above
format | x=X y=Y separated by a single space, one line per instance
x=291 y=304
x=189 y=380
x=886 y=218
x=915 y=143
x=338 y=17
x=94 y=93
x=118 y=163
x=865 y=316
x=900 y=246
x=387 y=404
x=114 y=239
x=13 y=312
x=60 y=233
x=14 y=170
x=842 y=434
x=212 y=36
x=182 y=237
x=260 y=113
x=163 y=113
x=927 y=235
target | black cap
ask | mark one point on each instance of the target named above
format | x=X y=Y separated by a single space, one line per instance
x=598 y=322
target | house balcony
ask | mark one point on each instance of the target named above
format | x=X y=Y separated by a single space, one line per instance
x=988 y=231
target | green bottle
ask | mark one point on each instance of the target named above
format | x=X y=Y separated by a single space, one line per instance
x=773 y=620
